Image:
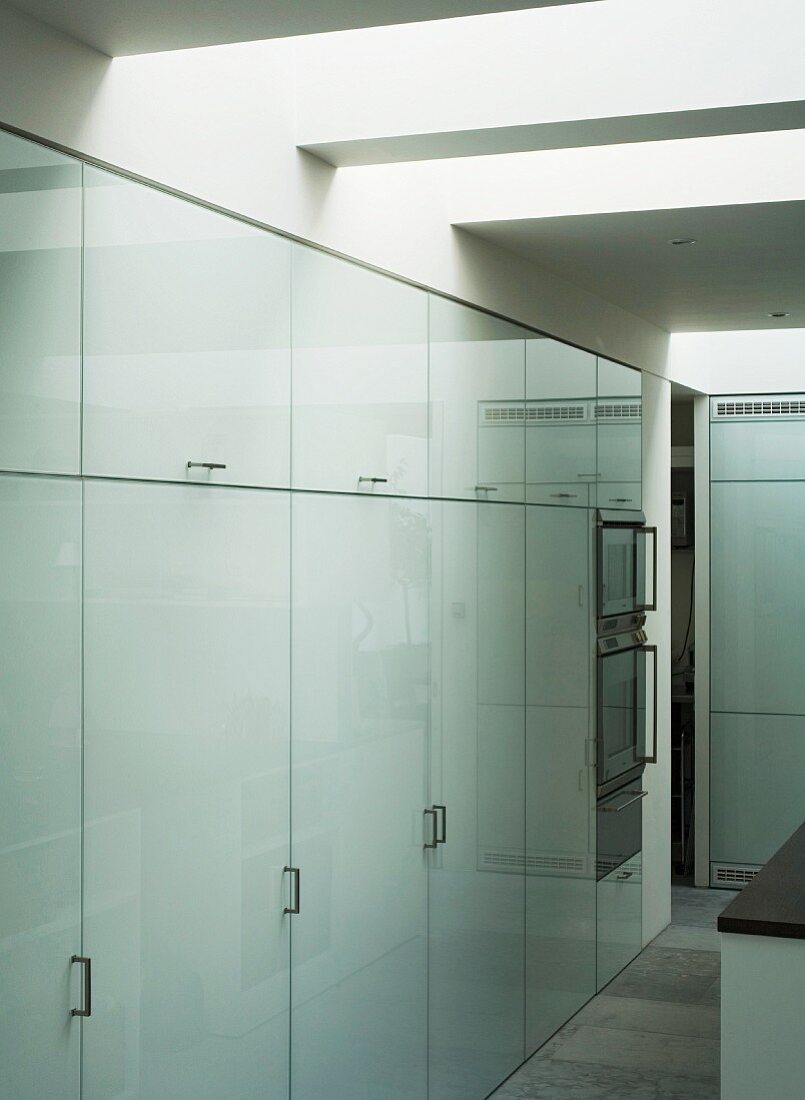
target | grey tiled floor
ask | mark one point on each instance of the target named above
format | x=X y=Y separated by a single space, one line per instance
x=653 y=1033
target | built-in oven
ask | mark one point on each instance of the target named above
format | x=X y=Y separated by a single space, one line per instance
x=626 y=709
x=624 y=591
x=619 y=834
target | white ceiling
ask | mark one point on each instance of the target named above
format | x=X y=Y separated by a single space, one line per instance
x=749 y=260
x=121 y=27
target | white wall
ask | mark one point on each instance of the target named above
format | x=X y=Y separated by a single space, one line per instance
x=220 y=124
x=657 y=777
x=760 y=361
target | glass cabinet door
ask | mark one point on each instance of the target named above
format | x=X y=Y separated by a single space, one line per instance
x=560 y=423
x=476 y=881
x=559 y=771
x=360 y=379
x=40 y=785
x=477 y=407
x=619 y=918
x=618 y=417
x=40 y=308
x=186 y=789
x=186 y=340
x=361 y=694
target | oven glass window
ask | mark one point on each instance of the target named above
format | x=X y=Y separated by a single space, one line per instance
x=618 y=713
x=618 y=587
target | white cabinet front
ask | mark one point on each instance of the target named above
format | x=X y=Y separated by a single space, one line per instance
x=360 y=379
x=186 y=792
x=361 y=692
x=186 y=341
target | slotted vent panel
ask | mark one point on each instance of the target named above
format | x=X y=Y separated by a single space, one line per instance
x=501 y=860
x=501 y=414
x=619 y=410
x=761 y=408
x=734 y=875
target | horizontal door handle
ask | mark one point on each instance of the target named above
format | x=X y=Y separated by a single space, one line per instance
x=373 y=480
x=207 y=465
x=617 y=809
x=486 y=488
x=564 y=496
x=294 y=908
x=621 y=500
x=86 y=962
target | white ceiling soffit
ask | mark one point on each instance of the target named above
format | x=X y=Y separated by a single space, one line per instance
x=123 y=27
x=564 y=77
x=748 y=261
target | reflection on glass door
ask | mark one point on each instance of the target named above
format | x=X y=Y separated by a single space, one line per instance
x=361 y=694
x=40 y=785
x=186 y=792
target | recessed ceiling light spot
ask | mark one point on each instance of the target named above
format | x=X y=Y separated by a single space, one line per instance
x=682 y=240
x=779 y=313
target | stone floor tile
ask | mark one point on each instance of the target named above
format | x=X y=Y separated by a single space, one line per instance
x=664 y=1017
x=549 y=1079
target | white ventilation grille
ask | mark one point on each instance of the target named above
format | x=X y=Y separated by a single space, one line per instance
x=500 y=414
x=758 y=408
x=618 y=411
x=733 y=875
x=492 y=859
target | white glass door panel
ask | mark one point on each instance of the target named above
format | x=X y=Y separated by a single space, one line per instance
x=186 y=790
x=618 y=418
x=560 y=423
x=756 y=450
x=186 y=340
x=477 y=408
x=558 y=611
x=361 y=693
x=360 y=379
x=476 y=905
x=40 y=308
x=757 y=784
x=40 y=786
x=757 y=597
x=619 y=918
x=560 y=869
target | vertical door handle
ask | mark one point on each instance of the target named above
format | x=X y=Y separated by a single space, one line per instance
x=652 y=531
x=442 y=839
x=434 y=816
x=86 y=1010
x=294 y=908
x=651 y=758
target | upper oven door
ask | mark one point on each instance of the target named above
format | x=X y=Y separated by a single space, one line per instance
x=623 y=587
x=627 y=705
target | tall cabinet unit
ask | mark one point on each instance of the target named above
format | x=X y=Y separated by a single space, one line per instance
x=757 y=725
x=297 y=677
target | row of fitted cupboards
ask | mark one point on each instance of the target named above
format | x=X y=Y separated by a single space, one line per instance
x=274 y=679
x=140 y=332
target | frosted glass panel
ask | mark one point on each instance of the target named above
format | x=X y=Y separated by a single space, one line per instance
x=753 y=450
x=757 y=784
x=560 y=425
x=476 y=952
x=186 y=340
x=40 y=308
x=620 y=918
x=757 y=597
x=186 y=792
x=360 y=379
x=361 y=693
x=619 y=422
x=40 y=785
x=558 y=545
x=477 y=380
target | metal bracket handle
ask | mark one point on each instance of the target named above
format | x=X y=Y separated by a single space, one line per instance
x=443 y=838
x=295 y=907
x=207 y=465
x=617 y=809
x=652 y=757
x=373 y=480
x=486 y=488
x=653 y=605
x=87 y=998
x=563 y=496
x=434 y=841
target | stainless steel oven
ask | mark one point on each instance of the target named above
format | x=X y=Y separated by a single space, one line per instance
x=623 y=591
x=620 y=828
x=627 y=709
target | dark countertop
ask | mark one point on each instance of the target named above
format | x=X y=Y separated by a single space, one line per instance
x=773 y=904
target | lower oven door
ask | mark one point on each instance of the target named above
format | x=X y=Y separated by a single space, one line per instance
x=620 y=828
x=627 y=706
